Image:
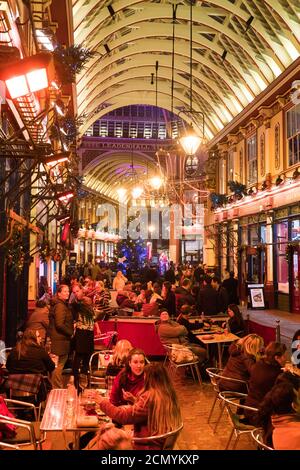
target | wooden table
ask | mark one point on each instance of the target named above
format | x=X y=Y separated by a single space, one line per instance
x=218 y=339
x=55 y=416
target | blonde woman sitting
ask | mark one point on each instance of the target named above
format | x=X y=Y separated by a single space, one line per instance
x=120 y=354
x=242 y=357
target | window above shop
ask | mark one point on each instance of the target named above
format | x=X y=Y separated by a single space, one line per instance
x=252 y=159
x=293 y=134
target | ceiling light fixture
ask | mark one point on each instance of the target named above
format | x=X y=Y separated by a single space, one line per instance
x=66 y=196
x=57 y=158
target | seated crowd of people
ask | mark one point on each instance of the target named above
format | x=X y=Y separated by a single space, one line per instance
x=146 y=390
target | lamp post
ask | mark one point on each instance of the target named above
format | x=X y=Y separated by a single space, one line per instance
x=191 y=142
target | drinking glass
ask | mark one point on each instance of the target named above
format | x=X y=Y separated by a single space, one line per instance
x=83 y=382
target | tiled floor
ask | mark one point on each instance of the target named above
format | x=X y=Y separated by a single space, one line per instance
x=197 y=434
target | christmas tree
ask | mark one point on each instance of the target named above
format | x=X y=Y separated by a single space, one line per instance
x=131 y=253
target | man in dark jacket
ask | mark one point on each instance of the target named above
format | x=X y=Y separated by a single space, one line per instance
x=183 y=319
x=222 y=293
x=61 y=330
x=183 y=294
x=170 y=274
x=208 y=299
x=231 y=285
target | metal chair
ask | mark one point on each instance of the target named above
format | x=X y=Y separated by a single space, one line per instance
x=190 y=364
x=3 y=355
x=257 y=435
x=27 y=432
x=232 y=403
x=215 y=374
x=5 y=446
x=97 y=372
x=165 y=441
x=31 y=387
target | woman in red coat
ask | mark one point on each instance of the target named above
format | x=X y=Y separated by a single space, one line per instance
x=156 y=410
x=130 y=381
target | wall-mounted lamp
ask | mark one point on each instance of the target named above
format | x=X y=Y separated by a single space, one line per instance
x=28 y=75
x=57 y=158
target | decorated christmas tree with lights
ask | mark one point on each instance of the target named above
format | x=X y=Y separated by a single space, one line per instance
x=131 y=253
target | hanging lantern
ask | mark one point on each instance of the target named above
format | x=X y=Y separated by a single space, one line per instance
x=190 y=143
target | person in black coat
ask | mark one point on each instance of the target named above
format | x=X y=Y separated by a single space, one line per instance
x=183 y=294
x=222 y=294
x=169 y=300
x=199 y=274
x=61 y=330
x=208 y=299
x=183 y=319
x=83 y=340
x=263 y=376
x=235 y=322
x=170 y=274
x=29 y=357
x=231 y=285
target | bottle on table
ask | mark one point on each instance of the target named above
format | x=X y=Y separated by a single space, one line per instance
x=71 y=391
x=71 y=402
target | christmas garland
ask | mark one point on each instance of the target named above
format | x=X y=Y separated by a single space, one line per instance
x=45 y=251
x=237 y=188
x=15 y=254
x=70 y=61
x=218 y=200
x=289 y=251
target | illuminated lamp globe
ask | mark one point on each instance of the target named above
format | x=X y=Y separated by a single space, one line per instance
x=156 y=182
x=190 y=143
x=121 y=193
x=137 y=192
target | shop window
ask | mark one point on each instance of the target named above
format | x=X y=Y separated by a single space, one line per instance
x=230 y=166
x=82 y=251
x=263 y=234
x=295 y=230
x=191 y=165
x=98 y=249
x=222 y=176
x=282 y=264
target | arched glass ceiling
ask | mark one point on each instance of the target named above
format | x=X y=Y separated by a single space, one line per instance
x=239 y=48
x=117 y=170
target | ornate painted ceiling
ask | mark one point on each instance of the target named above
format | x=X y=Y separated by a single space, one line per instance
x=238 y=48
